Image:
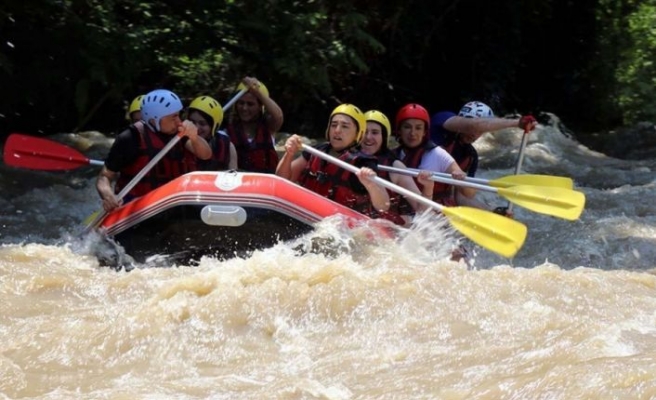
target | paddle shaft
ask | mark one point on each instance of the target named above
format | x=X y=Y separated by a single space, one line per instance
x=498 y=234
x=101 y=215
x=479 y=181
x=234 y=99
x=520 y=160
x=382 y=182
x=99 y=163
x=54 y=156
x=439 y=178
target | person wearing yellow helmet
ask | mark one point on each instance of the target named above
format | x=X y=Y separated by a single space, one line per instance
x=252 y=126
x=134 y=110
x=346 y=126
x=207 y=114
x=374 y=142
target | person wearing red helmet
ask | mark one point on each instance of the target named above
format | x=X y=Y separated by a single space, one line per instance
x=360 y=192
x=456 y=133
x=416 y=150
x=374 y=142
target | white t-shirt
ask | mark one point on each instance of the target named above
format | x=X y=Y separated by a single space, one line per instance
x=436 y=160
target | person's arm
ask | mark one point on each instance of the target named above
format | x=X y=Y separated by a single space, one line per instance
x=471 y=172
x=379 y=197
x=288 y=166
x=124 y=151
x=274 y=117
x=196 y=144
x=439 y=160
x=406 y=182
x=105 y=189
x=478 y=126
x=233 y=157
x=457 y=173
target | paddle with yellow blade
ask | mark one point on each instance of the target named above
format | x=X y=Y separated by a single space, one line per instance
x=555 y=201
x=494 y=232
x=516 y=180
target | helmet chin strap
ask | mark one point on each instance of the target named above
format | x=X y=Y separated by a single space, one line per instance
x=152 y=126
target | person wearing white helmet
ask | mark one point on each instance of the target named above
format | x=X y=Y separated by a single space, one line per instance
x=142 y=141
x=456 y=133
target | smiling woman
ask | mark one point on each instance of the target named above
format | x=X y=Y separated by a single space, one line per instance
x=374 y=143
x=206 y=113
x=358 y=191
x=417 y=151
x=252 y=126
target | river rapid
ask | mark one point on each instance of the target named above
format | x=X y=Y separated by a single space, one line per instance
x=572 y=316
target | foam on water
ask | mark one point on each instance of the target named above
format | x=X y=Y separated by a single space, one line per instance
x=340 y=314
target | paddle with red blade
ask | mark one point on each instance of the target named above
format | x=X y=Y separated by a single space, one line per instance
x=101 y=214
x=31 y=152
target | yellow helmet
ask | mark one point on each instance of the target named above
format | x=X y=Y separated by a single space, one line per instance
x=263 y=89
x=135 y=105
x=353 y=112
x=210 y=107
x=379 y=117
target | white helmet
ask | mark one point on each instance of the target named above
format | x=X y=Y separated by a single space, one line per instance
x=476 y=109
x=159 y=103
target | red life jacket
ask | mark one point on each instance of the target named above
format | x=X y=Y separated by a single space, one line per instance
x=176 y=162
x=258 y=155
x=398 y=204
x=464 y=162
x=220 y=161
x=442 y=193
x=333 y=182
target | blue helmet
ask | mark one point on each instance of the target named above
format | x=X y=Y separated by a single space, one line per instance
x=159 y=103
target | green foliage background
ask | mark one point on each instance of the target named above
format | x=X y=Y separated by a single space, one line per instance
x=69 y=65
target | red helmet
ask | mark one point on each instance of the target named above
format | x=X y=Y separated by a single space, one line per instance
x=412 y=110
